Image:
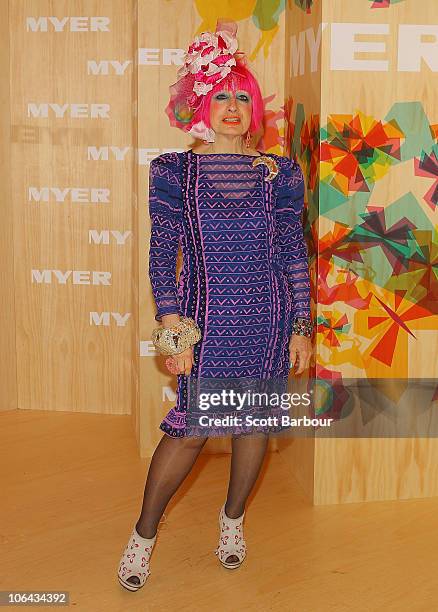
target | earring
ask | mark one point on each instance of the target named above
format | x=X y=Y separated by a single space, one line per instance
x=248 y=139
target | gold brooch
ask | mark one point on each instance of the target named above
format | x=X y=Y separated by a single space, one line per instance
x=270 y=163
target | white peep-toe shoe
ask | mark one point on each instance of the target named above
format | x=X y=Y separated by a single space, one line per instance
x=231 y=540
x=135 y=561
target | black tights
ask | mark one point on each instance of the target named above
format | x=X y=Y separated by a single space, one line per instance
x=174 y=458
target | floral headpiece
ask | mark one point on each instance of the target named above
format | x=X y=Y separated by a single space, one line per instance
x=208 y=60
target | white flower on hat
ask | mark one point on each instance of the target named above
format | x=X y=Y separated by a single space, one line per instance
x=201 y=88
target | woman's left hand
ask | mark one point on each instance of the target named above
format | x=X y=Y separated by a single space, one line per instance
x=300 y=351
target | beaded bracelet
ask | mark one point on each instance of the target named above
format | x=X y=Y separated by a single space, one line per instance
x=302 y=327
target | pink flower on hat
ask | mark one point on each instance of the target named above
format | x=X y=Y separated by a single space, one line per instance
x=209 y=58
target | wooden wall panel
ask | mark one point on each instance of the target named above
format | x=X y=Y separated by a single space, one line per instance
x=302 y=77
x=68 y=360
x=8 y=371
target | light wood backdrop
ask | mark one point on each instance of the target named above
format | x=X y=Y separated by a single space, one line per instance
x=87 y=97
x=77 y=304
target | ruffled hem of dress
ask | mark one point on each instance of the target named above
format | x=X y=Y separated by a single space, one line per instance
x=219 y=432
x=173 y=432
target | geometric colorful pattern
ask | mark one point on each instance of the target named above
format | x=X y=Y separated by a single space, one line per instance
x=309 y=134
x=306 y=5
x=358 y=150
x=333 y=327
x=427 y=165
x=331 y=396
x=391 y=319
x=302 y=142
x=376 y=259
x=383 y=3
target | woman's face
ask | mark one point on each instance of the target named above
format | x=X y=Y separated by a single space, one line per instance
x=230 y=113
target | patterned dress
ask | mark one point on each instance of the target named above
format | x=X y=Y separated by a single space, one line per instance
x=245 y=272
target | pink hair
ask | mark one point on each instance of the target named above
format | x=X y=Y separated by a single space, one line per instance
x=240 y=78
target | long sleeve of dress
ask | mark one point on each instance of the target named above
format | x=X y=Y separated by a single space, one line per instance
x=165 y=211
x=291 y=243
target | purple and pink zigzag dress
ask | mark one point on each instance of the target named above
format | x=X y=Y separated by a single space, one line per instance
x=245 y=272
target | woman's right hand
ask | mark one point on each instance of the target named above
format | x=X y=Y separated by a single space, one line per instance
x=182 y=362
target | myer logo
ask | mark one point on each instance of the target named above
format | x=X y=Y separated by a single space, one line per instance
x=104 y=318
x=74 y=111
x=103 y=153
x=412 y=51
x=143 y=156
x=147 y=348
x=146 y=155
x=76 y=277
x=160 y=57
x=105 y=67
x=82 y=195
x=104 y=236
x=168 y=394
x=72 y=24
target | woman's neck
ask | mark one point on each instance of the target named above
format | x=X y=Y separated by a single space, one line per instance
x=228 y=147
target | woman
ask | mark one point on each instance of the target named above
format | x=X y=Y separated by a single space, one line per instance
x=244 y=285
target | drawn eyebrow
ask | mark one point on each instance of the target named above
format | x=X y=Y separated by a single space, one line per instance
x=225 y=92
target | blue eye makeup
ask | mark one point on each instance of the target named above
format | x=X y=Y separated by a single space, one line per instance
x=242 y=96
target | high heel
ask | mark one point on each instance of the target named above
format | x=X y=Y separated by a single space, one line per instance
x=135 y=561
x=231 y=540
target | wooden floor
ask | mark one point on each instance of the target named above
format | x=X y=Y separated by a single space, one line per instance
x=72 y=486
